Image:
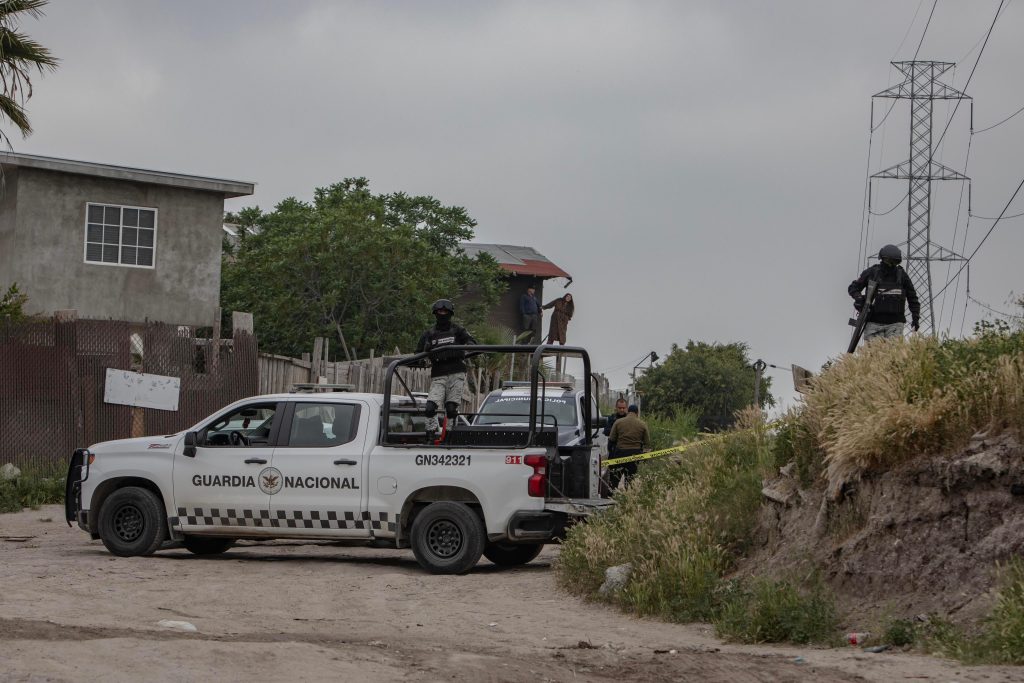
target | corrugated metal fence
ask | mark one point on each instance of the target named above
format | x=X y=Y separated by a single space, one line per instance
x=53 y=375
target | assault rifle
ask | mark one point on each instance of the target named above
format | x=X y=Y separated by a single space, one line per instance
x=861 y=320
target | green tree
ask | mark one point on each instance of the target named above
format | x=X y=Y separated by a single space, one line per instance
x=12 y=303
x=712 y=381
x=19 y=57
x=357 y=267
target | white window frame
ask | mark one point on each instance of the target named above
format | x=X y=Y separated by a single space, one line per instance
x=120 y=235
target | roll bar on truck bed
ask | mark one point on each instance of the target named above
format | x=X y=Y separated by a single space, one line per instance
x=537 y=388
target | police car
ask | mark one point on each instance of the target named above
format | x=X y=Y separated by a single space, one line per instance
x=558 y=403
x=339 y=466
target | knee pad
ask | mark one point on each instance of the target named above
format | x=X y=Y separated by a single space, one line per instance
x=430 y=408
x=451 y=409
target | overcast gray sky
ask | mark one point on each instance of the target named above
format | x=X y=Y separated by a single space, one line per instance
x=698 y=167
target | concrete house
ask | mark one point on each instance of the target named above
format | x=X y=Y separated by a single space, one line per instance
x=112 y=242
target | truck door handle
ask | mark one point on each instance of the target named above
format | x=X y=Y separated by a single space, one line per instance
x=345 y=461
x=255 y=461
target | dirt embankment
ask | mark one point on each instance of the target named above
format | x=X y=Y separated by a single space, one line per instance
x=69 y=611
x=923 y=538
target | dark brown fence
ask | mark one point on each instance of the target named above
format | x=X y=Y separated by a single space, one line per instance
x=53 y=375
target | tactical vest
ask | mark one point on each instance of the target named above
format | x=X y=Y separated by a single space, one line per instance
x=890 y=297
x=443 y=363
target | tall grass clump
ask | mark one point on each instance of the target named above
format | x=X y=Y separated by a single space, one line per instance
x=896 y=399
x=681 y=525
x=33 y=487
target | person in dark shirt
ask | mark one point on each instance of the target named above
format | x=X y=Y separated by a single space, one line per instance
x=620 y=411
x=894 y=293
x=447 y=369
x=529 y=309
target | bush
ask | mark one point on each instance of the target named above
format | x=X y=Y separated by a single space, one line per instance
x=681 y=524
x=34 y=487
x=778 y=611
x=900 y=632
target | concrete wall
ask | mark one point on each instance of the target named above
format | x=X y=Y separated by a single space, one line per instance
x=8 y=223
x=44 y=251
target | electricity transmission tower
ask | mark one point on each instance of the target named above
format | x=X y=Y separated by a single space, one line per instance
x=922 y=88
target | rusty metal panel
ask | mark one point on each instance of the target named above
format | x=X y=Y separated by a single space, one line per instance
x=52 y=381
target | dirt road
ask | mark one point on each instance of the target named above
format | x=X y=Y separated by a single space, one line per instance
x=69 y=611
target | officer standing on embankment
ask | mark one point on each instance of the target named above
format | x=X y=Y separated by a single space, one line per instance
x=895 y=291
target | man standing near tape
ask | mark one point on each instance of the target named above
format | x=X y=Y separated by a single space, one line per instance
x=447 y=368
x=629 y=436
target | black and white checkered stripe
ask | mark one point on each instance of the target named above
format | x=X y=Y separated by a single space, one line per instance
x=286 y=519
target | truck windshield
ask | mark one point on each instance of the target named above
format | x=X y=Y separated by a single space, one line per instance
x=516 y=410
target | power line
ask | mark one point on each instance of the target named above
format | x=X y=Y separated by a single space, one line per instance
x=956 y=228
x=963 y=91
x=1001 y=122
x=925 y=31
x=898 y=204
x=989 y=308
x=973 y=47
x=895 y=54
x=989 y=218
x=891 y=107
x=987 y=234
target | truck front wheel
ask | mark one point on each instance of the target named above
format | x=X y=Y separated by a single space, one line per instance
x=132 y=522
x=512 y=554
x=447 y=538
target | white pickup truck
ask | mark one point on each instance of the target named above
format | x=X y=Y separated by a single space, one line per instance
x=340 y=466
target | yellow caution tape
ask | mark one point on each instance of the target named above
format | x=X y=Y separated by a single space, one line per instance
x=681 y=448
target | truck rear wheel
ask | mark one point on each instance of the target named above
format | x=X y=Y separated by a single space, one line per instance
x=132 y=522
x=512 y=554
x=447 y=538
x=207 y=545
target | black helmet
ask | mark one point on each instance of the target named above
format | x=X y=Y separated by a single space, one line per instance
x=891 y=252
x=443 y=305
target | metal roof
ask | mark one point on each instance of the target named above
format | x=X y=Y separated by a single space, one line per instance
x=517 y=260
x=228 y=188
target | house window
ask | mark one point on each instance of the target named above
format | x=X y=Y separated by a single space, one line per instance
x=120 y=235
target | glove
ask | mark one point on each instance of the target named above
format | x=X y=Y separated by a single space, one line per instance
x=915 y=324
x=858 y=303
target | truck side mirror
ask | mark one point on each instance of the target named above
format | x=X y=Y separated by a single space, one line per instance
x=190 y=445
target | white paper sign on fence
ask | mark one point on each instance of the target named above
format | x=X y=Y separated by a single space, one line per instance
x=139 y=389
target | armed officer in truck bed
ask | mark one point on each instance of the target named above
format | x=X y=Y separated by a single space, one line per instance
x=447 y=369
x=895 y=292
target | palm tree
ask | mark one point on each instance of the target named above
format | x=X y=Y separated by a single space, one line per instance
x=19 y=56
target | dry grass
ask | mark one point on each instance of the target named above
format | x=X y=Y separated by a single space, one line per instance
x=895 y=400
